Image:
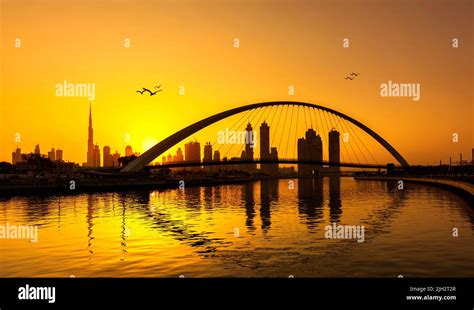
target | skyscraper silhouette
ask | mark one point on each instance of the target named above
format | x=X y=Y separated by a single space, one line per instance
x=52 y=154
x=265 y=146
x=334 y=150
x=179 y=155
x=16 y=156
x=217 y=156
x=108 y=159
x=192 y=151
x=273 y=167
x=59 y=155
x=249 y=145
x=207 y=156
x=310 y=148
x=207 y=152
x=96 y=156
x=90 y=142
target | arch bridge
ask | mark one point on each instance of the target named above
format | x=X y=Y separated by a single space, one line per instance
x=342 y=120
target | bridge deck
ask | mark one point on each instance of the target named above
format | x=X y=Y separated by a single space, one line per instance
x=282 y=161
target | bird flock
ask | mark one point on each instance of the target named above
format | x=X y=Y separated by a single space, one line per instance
x=149 y=91
x=352 y=76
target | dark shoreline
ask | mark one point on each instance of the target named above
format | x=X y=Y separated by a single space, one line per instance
x=117 y=185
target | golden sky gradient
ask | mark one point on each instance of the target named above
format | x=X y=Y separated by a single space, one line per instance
x=190 y=43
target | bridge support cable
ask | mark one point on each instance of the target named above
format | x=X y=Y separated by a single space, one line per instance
x=251 y=122
x=288 y=140
x=275 y=128
x=326 y=128
x=256 y=125
x=323 y=123
x=319 y=125
x=349 y=142
x=345 y=125
x=270 y=124
x=241 y=121
x=356 y=139
x=281 y=136
x=239 y=152
x=361 y=142
x=310 y=118
x=239 y=124
x=235 y=123
x=295 y=141
x=252 y=114
x=304 y=115
x=164 y=145
x=306 y=119
x=321 y=128
x=330 y=120
x=346 y=149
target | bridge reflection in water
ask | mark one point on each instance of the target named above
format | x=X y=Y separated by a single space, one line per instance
x=281 y=231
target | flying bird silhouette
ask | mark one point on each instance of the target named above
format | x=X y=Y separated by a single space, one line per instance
x=147 y=90
x=355 y=74
x=151 y=93
x=349 y=78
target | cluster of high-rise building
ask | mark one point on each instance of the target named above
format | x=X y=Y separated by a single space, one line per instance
x=109 y=159
x=310 y=148
x=53 y=155
x=192 y=153
x=178 y=157
x=93 y=151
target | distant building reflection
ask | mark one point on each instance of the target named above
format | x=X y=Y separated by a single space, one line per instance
x=90 y=223
x=124 y=232
x=37 y=207
x=124 y=200
x=208 y=197
x=248 y=198
x=141 y=197
x=192 y=197
x=217 y=195
x=310 y=200
x=268 y=195
x=335 y=210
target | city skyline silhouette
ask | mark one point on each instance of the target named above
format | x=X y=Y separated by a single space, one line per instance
x=198 y=66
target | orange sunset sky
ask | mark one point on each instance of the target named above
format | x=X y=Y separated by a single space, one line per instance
x=191 y=43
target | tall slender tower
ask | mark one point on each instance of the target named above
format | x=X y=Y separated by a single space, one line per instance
x=90 y=141
x=249 y=144
x=334 y=150
x=265 y=146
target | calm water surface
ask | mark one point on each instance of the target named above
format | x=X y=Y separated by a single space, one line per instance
x=257 y=229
